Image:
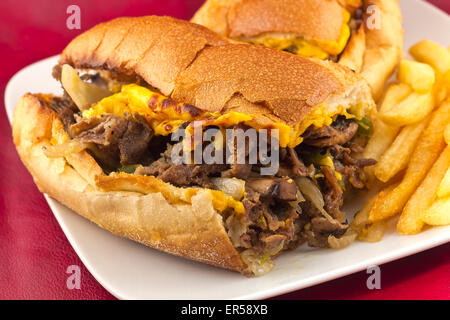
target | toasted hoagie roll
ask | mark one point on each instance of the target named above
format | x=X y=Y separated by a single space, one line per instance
x=104 y=148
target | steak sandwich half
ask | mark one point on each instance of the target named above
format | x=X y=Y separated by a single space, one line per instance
x=365 y=35
x=104 y=148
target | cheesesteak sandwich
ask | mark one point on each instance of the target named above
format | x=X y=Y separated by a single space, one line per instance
x=106 y=150
x=365 y=35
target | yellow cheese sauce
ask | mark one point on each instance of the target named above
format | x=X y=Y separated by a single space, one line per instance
x=220 y=200
x=313 y=48
x=354 y=3
x=166 y=116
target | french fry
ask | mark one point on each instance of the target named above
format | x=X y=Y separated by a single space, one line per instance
x=434 y=54
x=382 y=137
x=430 y=145
x=411 y=110
x=447 y=134
x=442 y=90
x=395 y=93
x=444 y=187
x=410 y=221
x=361 y=219
x=417 y=75
x=373 y=232
x=438 y=214
x=396 y=158
x=367 y=231
x=384 y=134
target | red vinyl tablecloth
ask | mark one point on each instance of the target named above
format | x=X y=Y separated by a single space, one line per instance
x=35 y=253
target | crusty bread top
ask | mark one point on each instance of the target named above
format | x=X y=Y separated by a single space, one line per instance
x=155 y=48
x=311 y=19
x=286 y=85
x=196 y=66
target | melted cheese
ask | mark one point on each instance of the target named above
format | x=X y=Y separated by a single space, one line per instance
x=328 y=161
x=165 y=116
x=220 y=200
x=354 y=3
x=303 y=47
x=313 y=48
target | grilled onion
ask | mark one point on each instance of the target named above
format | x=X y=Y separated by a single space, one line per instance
x=257 y=264
x=82 y=93
x=344 y=241
x=230 y=186
x=64 y=149
x=235 y=230
x=311 y=192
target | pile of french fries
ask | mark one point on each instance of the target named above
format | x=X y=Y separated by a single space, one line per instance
x=411 y=144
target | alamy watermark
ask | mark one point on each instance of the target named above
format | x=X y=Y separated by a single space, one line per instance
x=74 y=19
x=74 y=280
x=374 y=281
x=229 y=146
x=373 y=20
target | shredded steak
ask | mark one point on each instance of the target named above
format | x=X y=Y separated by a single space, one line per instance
x=65 y=109
x=124 y=139
x=277 y=188
x=340 y=132
x=241 y=171
x=184 y=175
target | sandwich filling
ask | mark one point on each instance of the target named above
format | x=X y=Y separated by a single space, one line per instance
x=128 y=133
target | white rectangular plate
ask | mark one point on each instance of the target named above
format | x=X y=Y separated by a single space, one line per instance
x=132 y=271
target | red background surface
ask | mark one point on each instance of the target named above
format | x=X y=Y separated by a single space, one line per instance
x=35 y=253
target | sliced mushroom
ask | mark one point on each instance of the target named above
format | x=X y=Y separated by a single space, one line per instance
x=278 y=188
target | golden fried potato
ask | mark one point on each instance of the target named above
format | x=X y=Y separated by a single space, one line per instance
x=432 y=53
x=361 y=218
x=442 y=90
x=368 y=231
x=414 y=108
x=382 y=137
x=373 y=232
x=383 y=133
x=410 y=221
x=419 y=76
x=438 y=214
x=429 y=147
x=447 y=134
x=444 y=187
x=395 y=93
x=396 y=158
